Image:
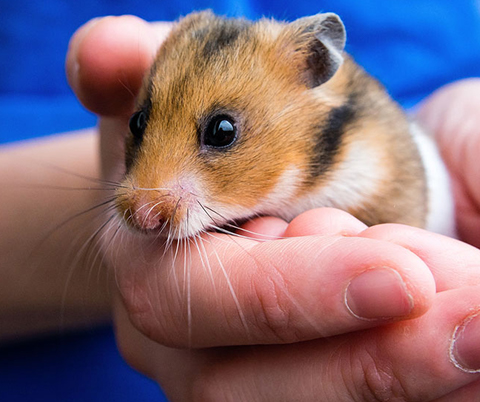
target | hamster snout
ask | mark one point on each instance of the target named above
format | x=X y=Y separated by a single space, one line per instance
x=171 y=209
x=239 y=119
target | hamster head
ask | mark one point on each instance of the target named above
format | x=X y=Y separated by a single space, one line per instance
x=223 y=128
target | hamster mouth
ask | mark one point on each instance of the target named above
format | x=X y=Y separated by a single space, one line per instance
x=231 y=226
x=165 y=232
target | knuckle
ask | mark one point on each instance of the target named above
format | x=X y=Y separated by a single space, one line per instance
x=158 y=322
x=273 y=307
x=375 y=380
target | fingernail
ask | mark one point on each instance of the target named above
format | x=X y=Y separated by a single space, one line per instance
x=378 y=293
x=465 y=348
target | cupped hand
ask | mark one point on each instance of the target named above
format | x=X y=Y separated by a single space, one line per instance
x=433 y=357
x=317 y=301
x=451 y=114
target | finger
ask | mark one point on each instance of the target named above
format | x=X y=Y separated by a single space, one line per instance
x=405 y=361
x=451 y=114
x=169 y=367
x=324 y=221
x=107 y=60
x=320 y=221
x=467 y=393
x=220 y=290
x=264 y=228
x=454 y=264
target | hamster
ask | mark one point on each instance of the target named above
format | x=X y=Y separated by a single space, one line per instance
x=239 y=119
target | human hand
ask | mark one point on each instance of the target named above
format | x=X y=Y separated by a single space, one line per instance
x=274 y=292
x=413 y=360
x=451 y=114
x=432 y=358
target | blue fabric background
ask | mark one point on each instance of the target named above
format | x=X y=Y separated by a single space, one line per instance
x=413 y=46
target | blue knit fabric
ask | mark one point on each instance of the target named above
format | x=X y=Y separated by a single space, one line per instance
x=412 y=46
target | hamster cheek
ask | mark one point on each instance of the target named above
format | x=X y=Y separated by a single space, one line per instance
x=285 y=190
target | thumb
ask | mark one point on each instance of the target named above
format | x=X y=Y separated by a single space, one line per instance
x=451 y=114
x=107 y=59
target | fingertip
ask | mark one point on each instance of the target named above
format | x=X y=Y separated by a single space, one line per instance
x=417 y=270
x=390 y=232
x=71 y=62
x=324 y=221
x=264 y=228
x=106 y=62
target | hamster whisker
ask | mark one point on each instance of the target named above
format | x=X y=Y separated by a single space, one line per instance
x=171 y=238
x=166 y=249
x=82 y=253
x=159 y=234
x=72 y=218
x=112 y=240
x=221 y=229
x=184 y=246
x=233 y=293
x=36 y=186
x=99 y=253
x=153 y=189
x=206 y=212
x=145 y=205
x=207 y=265
x=188 y=269
x=125 y=85
x=281 y=286
x=231 y=224
x=174 y=259
x=217 y=227
x=112 y=183
x=265 y=237
x=91 y=241
x=129 y=219
x=150 y=211
x=162 y=228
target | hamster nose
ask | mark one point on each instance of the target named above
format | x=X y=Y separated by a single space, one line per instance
x=161 y=209
x=150 y=212
x=149 y=218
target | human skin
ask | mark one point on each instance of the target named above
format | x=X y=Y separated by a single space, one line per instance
x=341 y=356
x=43 y=285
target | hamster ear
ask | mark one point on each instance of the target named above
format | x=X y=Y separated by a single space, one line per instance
x=322 y=40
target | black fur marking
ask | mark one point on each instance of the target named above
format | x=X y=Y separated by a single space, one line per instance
x=329 y=136
x=132 y=142
x=222 y=35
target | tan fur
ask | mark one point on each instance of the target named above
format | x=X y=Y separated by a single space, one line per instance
x=259 y=79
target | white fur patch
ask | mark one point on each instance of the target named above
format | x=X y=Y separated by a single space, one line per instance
x=346 y=186
x=279 y=201
x=355 y=179
x=441 y=210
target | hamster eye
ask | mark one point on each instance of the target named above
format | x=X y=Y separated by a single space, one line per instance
x=221 y=132
x=137 y=124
